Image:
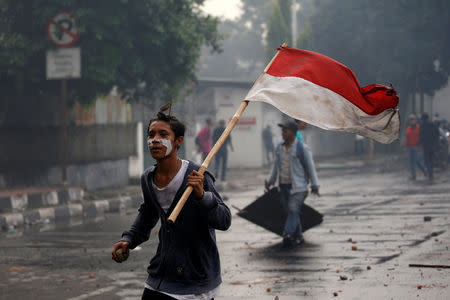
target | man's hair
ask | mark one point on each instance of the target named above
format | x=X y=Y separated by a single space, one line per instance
x=176 y=125
x=425 y=117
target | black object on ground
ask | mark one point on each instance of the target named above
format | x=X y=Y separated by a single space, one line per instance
x=267 y=212
x=429 y=266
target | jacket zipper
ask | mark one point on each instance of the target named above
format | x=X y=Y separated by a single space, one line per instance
x=163 y=261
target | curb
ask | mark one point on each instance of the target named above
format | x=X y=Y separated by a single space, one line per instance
x=63 y=213
x=22 y=200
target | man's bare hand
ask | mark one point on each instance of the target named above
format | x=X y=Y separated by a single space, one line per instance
x=195 y=179
x=123 y=245
x=315 y=192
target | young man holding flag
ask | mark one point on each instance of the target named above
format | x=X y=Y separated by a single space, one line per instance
x=294 y=168
x=186 y=264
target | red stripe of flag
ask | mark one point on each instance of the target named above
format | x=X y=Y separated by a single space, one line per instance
x=328 y=73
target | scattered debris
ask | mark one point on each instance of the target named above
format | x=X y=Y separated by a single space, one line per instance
x=268 y=290
x=343 y=277
x=335 y=294
x=354 y=248
x=427 y=219
x=369 y=267
x=419 y=287
x=429 y=266
x=91 y=275
x=17 y=268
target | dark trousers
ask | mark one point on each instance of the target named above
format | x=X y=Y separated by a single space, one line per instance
x=428 y=159
x=221 y=160
x=204 y=155
x=149 y=294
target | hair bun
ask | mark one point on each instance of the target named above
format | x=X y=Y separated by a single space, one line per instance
x=167 y=106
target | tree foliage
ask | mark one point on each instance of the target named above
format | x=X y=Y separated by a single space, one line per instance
x=279 y=27
x=154 y=44
x=385 y=41
x=243 y=55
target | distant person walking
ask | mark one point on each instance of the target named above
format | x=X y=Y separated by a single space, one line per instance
x=294 y=168
x=412 y=145
x=221 y=157
x=268 y=144
x=203 y=138
x=429 y=138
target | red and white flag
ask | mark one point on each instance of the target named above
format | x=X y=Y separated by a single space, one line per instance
x=323 y=92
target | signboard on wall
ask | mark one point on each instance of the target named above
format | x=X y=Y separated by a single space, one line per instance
x=246 y=123
x=64 y=63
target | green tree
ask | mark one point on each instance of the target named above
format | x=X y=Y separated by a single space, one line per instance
x=124 y=43
x=386 y=41
x=243 y=55
x=279 y=27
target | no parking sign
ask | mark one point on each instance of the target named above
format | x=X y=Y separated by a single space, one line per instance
x=63 y=30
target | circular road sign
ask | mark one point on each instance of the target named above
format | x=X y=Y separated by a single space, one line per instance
x=62 y=29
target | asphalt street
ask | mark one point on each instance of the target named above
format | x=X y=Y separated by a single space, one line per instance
x=376 y=224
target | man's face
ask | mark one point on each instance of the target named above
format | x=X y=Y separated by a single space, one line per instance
x=160 y=139
x=412 y=121
x=287 y=134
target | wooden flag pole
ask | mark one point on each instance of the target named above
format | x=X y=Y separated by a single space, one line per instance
x=176 y=211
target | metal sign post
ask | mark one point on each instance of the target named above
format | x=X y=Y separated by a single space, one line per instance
x=63 y=64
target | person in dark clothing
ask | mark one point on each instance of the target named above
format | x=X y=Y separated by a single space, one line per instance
x=186 y=263
x=268 y=144
x=429 y=138
x=221 y=157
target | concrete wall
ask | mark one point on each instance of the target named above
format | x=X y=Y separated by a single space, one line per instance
x=325 y=143
x=441 y=103
x=246 y=136
x=220 y=101
x=96 y=175
x=31 y=157
x=28 y=147
x=136 y=162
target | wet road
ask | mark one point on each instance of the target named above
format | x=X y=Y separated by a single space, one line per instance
x=373 y=229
